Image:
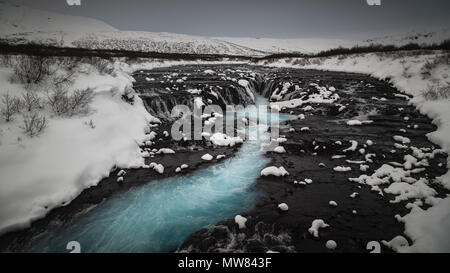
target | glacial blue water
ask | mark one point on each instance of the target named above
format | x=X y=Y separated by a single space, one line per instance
x=160 y=215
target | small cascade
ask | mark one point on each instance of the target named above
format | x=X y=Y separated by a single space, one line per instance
x=162 y=90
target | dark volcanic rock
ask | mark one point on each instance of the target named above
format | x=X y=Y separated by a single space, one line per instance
x=309 y=156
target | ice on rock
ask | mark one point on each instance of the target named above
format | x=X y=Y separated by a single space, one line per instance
x=342 y=169
x=358 y=122
x=279 y=150
x=330 y=244
x=354 y=123
x=402 y=139
x=274 y=171
x=315 y=226
x=368 y=157
x=354 y=195
x=333 y=204
x=207 y=157
x=121 y=173
x=209 y=72
x=352 y=148
x=283 y=207
x=400 y=146
x=373 y=247
x=165 y=151
x=238 y=219
x=398 y=244
x=221 y=139
x=178 y=169
x=159 y=168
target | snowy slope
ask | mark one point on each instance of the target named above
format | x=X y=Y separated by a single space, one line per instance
x=19 y=19
x=307 y=45
x=20 y=24
x=417 y=37
x=162 y=42
x=315 y=45
x=40 y=173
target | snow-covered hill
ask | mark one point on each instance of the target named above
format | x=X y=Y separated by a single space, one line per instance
x=423 y=38
x=19 y=24
x=306 y=45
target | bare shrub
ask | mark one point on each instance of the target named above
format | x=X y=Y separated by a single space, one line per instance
x=58 y=101
x=10 y=106
x=63 y=104
x=80 y=100
x=302 y=62
x=437 y=92
x=30 y=101
x=32 y=69
x=429 y=66
x=34 y=124
x=102 y=65
x=6 y=60
x=63 y=79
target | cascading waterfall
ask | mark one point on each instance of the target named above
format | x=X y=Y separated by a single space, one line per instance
x=159 y=216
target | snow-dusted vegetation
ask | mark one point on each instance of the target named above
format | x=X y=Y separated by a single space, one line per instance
x=64 y=126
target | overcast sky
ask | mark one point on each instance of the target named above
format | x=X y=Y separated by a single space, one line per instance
x=262 y=18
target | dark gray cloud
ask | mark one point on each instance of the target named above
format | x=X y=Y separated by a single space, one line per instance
x=262 y=18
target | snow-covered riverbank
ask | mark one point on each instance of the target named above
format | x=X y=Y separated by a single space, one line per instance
x=51 y=182
x=424 y=76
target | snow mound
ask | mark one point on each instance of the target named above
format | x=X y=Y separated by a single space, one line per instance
x=240 y=221
x=207 y=157
x=22 y=25
x=315 y=226
x=221 y=139
x=330 y=244
x=283 y=207
x=274 y=171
